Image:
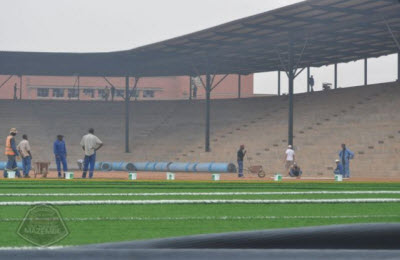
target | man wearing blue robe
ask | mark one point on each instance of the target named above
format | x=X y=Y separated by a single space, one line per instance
x=345 y=155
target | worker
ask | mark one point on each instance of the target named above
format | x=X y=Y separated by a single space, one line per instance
x=12 y=154
x=339 y=168
x=345 y=155
x=24 y=150
x=295 y=171
x=240 y=156
x=15 y=91
x=106 y=93
x=90 y=144
x=194 y=91
x=60 y=153
x=289 y=157
x=112 y=93
x=311 y=83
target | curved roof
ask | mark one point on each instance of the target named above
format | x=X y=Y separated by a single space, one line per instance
x=323 y=32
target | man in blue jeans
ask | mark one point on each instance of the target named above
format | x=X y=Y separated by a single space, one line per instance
x=90 y=144
x=12 y=154
x=24 y=150
x=60 y=152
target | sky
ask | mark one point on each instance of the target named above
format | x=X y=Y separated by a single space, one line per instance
x=113 y=25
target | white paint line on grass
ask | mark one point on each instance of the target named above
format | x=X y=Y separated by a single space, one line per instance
x=193 y=193
x=32 y=248
x=164 y=202
x=205 y=218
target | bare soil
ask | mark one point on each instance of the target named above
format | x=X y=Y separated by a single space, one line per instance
x=151 y=176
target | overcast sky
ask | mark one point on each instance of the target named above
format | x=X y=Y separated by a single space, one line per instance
x=110 y=25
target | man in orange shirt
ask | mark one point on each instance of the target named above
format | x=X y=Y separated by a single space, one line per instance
x=12 y=154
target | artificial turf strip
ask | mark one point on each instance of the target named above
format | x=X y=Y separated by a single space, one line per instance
x=83 y=232
x=7 y=186
x=86 y=232
x=228 y=197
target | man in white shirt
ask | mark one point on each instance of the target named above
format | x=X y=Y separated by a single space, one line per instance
x=289 y=157
x=24 y=150
x=90 y=144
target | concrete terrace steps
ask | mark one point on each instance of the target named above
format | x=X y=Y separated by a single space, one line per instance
x=174 y=130
x=325 y=126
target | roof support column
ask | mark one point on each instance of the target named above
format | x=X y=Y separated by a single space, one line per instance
x=291 y=90
x=279 y=82
x=127 y=110
x=365 y=72
x=79 y=88
x=398 y=67
x=208 y=95
x=308 y=79
x=20 y=87
x=190 y=87
x=239 y=86
x=336 y=77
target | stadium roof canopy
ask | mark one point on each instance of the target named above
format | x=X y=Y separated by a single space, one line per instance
x=321 y=32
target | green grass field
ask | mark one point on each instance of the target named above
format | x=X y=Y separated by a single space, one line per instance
x=114 y=223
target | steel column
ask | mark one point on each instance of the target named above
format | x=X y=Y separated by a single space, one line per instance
x=308 y=79
x=279 y=82
x=291 y=90
x=398 y=67
x=127 y=110
x=190 y=87
x=208 y=94
x=20 y=87
x=79 y=88
x=365 y=72
x=336 y=78
x=239 y=86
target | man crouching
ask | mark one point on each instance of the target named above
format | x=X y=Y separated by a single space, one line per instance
x=295 y=171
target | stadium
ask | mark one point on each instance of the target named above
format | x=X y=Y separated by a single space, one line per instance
x=167 y=183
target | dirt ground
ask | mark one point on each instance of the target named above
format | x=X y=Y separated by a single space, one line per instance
x=208 y=177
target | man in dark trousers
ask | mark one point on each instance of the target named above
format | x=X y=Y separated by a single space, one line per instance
x=194 y=91
x=311 y=82
x=106 y=93
x=112 y=93
x=240 y=156
x=60 y=152
x=295 y=171
x=15 y=91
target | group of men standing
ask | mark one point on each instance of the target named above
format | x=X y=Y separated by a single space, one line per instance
x=89 y=143
x=342 y=164
x=13 y=152
x=293 y=169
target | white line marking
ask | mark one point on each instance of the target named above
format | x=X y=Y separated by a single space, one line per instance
x=152 y=202
x=193 y=193
x=32 y=248
x=209 y=218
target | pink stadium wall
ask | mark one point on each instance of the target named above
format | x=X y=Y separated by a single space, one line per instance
x=163 y=88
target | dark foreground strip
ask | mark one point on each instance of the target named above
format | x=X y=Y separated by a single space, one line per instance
x=194 y=254
x=361 y=241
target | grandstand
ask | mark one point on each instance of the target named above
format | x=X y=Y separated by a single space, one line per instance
x=363 y=117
